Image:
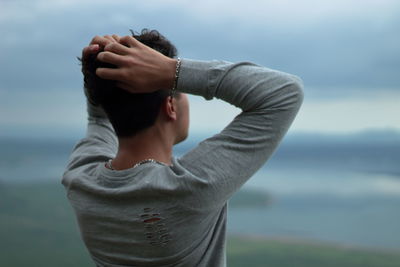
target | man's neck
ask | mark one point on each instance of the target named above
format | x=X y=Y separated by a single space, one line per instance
x=149 y=144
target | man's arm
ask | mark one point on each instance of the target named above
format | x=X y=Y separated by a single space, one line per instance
x=100 y=142
x=269 y=101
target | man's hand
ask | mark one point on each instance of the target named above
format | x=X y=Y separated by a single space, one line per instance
x=99 y=42
x=140 y=69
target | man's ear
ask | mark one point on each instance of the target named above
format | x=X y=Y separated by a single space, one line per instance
x=169 y=107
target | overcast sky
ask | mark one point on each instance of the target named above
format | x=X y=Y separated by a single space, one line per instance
x=347 y=53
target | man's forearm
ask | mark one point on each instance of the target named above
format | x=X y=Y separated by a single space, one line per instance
x=244 y=84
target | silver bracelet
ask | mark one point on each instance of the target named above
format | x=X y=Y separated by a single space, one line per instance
x=177 y=69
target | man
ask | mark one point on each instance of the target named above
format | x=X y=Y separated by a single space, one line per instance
x=136 y=204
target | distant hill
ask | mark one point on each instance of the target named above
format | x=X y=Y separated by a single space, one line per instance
x=377 y=136
x=375 y=150
x=369 y=151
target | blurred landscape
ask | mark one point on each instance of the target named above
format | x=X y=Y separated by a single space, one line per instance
x=320 y=201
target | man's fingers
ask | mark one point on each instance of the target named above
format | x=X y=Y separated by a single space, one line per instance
x=130 y=88
x=100 y=41
x=111 y=58
x=116 y=37
x=110 y=74
x=117 y=49
x=124 y=86
x=110 y=38
x=91 y=49
x=129 y=41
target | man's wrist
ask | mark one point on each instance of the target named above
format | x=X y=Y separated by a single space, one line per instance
x=176 y=76
x=170 y=74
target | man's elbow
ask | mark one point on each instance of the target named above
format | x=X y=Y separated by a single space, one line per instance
x=296 y=91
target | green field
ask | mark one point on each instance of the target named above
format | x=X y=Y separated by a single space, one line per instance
x=37 y=228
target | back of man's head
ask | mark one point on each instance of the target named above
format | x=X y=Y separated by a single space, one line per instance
x=128 y=113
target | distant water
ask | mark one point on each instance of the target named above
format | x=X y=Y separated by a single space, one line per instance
x=342 y=192
x=345 y=208
x=24 y=160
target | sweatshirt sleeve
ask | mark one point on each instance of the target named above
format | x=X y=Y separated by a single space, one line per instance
x=99 y=144
x=269 y=101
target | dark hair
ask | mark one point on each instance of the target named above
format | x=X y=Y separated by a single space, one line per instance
x=128 y=113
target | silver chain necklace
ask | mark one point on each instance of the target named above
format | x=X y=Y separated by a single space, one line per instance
x=109 y=163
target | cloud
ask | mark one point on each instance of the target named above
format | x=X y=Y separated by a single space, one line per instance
x=339 y=48
x=340 y=115
x=293 y=14
x=345 y=115
x=328 y=183
x=249 y=10
x=329 y=43
x=66 y=111
x=43 y=109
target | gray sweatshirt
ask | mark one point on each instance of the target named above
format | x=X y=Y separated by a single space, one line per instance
x=156 y=215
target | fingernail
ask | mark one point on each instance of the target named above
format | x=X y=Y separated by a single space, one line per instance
x=94 y=47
